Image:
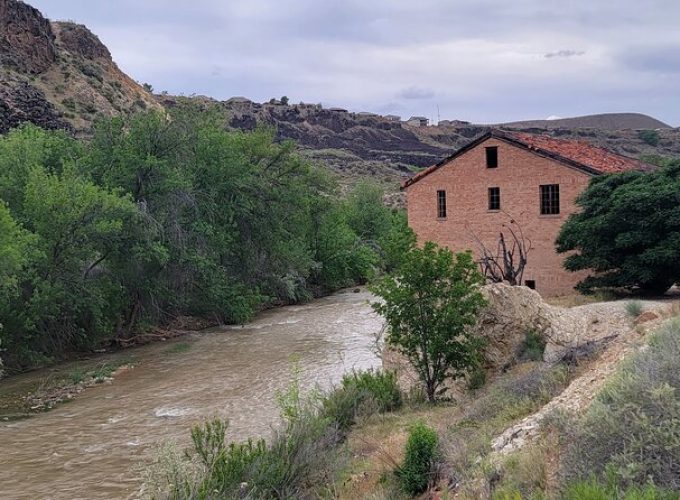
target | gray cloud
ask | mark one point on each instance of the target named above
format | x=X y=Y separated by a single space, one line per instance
x=483 y=61
x=564 y=53
x=415 y=92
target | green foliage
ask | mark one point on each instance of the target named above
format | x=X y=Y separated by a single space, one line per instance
x=476 y=378
x=594 y=490
x=15 y=245
x=397 y=242
x=627 y=231
x=367 y=216
x=634 y=308
x=630 y=435
x=303 y=457
x=361 y=394
x=428 y=303
x=533 y=346
x=650 y=137
x=417 y=471
x=158 y=217
x=381 y=386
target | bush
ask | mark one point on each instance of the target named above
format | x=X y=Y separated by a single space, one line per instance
x=303 y=456
x=630 y=435
x=476 y=379
x=417 y=471
x=634 y=308
x=361 y=394
x=300 y=456
x=532 y=347
x=650 y=137
x=381 y=386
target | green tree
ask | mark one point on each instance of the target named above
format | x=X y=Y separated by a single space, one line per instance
x=429 y=304
x=15 y=244
x=367 y=215
x=397 y=242
x=627 y=232
x=70 y=297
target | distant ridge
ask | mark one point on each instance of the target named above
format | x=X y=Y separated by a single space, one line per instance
x=604 y=121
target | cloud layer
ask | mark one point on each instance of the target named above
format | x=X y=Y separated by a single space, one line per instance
x=483 y=61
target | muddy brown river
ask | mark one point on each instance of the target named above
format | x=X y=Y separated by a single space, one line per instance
x=96 y=446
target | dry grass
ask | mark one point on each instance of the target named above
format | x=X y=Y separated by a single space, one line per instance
x=577 y=299
x=466 y=429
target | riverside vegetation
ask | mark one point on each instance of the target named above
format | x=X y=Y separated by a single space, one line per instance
x=330 y=445
x=159 y=216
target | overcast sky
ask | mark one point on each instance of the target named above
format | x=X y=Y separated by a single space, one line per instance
x=484 y=61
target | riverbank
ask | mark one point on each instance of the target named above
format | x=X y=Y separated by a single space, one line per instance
x=95 y=445
x=25 y=394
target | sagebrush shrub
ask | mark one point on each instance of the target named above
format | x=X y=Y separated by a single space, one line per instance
x=417 y=471
x=634 y=308
x=382 y=386
x=631 y=432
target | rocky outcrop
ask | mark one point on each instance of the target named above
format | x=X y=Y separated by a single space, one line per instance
x=570 y=334
x=80 y=41
x=27 y=42
x=20 y=102
x=59 y=75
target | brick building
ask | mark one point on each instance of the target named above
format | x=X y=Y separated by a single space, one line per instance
x=466 y=198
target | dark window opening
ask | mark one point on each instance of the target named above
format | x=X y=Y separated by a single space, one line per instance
x=550 y=199
x=441 y=204
x=530 y=284
x=494 y=198
x=492 y=157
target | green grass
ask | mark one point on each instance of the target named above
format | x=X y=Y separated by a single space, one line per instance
x=634 y=308
x=630 y=434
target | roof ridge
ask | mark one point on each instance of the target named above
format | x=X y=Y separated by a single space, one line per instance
x=576 y=153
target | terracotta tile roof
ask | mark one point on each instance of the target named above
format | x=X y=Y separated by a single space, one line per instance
x=579 y=154
x=598 y=159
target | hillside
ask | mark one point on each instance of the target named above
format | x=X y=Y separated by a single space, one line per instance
x=58 y=74
x=365 y=144
x=604 y=121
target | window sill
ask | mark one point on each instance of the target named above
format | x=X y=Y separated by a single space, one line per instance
x=441 y=219
x=493 y=210
x=550 y=216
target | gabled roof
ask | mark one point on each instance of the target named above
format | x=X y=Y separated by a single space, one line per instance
x=581 y=155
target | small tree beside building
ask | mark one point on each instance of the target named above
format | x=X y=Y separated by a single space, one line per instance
x=429 y=303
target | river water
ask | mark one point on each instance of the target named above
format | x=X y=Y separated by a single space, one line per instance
x=94 y=446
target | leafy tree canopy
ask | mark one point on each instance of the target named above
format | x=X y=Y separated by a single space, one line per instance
x=429 y=302
x=627 y=232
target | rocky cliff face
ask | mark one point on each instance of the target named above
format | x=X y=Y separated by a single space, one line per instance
x=26 y=39
x=359 y=144
x=59 y=75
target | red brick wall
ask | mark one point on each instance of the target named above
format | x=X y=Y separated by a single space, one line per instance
x=519 y=174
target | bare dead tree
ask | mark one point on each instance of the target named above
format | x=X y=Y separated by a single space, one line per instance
x=507 y=262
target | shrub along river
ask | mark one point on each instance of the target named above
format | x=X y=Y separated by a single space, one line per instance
x=97 y=445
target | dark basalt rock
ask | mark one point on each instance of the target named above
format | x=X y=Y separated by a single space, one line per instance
x=27 y=42
x=20 y=102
